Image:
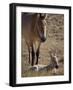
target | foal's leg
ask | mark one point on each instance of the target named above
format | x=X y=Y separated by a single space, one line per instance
x=33 y=56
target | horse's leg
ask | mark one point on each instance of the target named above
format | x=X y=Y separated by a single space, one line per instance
x=29 y=53
x=29 y=56
x=37 y=55
x=33 y=56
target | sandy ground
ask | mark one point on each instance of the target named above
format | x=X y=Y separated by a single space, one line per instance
x=55 y=41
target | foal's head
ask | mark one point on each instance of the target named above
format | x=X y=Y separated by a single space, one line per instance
x=41 y=24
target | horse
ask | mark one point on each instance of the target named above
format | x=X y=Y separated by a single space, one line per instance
x=34 y=33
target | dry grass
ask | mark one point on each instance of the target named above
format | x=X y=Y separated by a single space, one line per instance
x=55 y=41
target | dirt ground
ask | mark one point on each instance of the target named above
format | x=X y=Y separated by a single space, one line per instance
x=55 y=41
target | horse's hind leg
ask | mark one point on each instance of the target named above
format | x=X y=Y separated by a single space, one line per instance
x=33 y=56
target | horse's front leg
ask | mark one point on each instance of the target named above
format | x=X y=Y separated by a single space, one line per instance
x=29 y=53
x=33 y=56
x=29 y=56
x=37 y=55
